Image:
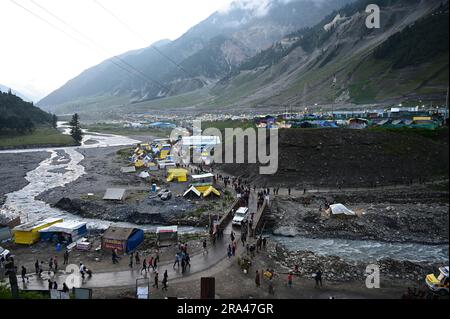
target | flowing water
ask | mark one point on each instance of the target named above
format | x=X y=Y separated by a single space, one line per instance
x=367 y=250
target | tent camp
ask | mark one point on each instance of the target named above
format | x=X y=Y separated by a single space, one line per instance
x=123 y=239
x=178 y=174
x=167 y=236
x=67 y=231
x=28 y=233
x=338 y=210
x=114 y=194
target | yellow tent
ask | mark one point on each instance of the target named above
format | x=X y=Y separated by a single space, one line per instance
x=177 y=173
x=164 y=154
x=28 y=233
x=211 y=190
x=139 y=163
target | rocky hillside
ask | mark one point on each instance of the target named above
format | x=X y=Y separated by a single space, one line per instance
x=206 y=53
x=407 y=58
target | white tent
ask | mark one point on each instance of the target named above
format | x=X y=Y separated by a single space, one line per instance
x=144 y=175
x=339 y=209
x=193 y=190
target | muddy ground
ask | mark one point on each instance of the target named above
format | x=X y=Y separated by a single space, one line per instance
x=13 y=169
x=410 y=214
x=348 y=158
x=102 y=167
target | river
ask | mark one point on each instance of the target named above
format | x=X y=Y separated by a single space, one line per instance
x=367 y=250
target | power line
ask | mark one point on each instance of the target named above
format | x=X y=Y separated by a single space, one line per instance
x=139 y=73
x=142 y=38
x=143 y=75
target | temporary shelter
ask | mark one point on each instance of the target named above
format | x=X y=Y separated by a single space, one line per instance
x=114 y=194
x=144 y=175
x=67 y=231
x=202 y=182
x=167 y=236
x=28 y=233
x=128 y=169
x=211 y=190
x=341 y=210
x=179 y=174
x=192 y=192
x=139 y=163
x=125 y=240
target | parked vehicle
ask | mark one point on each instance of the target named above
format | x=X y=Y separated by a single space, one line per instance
x=240 y=215
x=439 y=284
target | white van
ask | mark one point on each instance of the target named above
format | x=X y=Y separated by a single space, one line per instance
x=240 y=215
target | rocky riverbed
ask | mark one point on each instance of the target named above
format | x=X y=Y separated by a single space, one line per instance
x=335 y=268
x=14 y=168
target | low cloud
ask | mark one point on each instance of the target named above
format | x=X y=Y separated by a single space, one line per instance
x=259 y=8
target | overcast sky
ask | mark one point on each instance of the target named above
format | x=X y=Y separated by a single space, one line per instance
x=36 y=58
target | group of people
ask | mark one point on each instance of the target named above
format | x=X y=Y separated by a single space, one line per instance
x=232 y=246
x=269 y=275
x=182 y=257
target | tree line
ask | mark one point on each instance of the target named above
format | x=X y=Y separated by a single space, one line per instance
x=18 y=116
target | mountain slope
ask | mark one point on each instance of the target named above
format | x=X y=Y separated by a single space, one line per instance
x=406 y=58
x=206 y=52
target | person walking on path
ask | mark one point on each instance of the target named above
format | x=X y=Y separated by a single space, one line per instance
x=66 y=257
x=155 y=284
x=55 y=263
x=257 y=279
x=131 y=261
x=150 y=263
x=289 y=279
x=233 y=248
x=36 y=267
x=155 y=263
x=114 y=257
x=50 y=265
x=165 y=279
x=24 y=274
x=205 y=248
x=318 y=278
x=229 y=251
x=41 y=268
x=137 y=258
x=271 y=290
x=144 y=267
x=177 y=261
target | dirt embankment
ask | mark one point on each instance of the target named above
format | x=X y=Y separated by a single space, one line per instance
x=352 y=158
x=14 y=168
x=418 y=214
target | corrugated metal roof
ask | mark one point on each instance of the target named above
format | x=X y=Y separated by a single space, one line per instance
x=36 y=224
x=118 y=233
x=114 y=194
x=65 y=226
